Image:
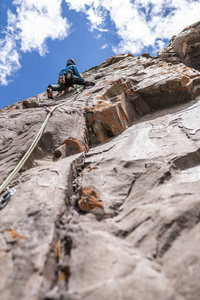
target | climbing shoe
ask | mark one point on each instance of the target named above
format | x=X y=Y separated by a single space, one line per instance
x=90 y=83
x=49 y=93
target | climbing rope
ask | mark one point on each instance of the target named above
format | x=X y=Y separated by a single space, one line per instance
x=9 y=192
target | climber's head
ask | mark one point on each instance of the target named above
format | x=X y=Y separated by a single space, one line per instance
x=70 y=62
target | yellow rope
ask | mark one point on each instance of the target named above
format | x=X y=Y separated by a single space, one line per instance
x=31 y=148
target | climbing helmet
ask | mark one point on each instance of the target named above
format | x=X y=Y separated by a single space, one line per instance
x=70 y=60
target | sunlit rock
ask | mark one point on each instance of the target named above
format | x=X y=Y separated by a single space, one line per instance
x=185 y=47
x=107 y=204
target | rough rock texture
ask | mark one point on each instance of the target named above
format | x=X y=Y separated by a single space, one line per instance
x=108 y=204
x=185 y=47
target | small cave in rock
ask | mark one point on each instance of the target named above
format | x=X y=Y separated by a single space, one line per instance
x=67 y=244
x=188 y=161
x=166 y=177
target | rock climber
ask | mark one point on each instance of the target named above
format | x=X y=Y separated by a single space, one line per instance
x=67 y=77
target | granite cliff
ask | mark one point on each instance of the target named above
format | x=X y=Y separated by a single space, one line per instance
x=107 y=206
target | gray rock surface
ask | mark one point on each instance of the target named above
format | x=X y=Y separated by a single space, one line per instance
x=107 y=205
x=185 y=47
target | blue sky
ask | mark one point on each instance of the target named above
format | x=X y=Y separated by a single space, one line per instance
x=38 y=36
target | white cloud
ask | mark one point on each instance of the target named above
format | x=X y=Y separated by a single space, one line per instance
x=98 y=36
x=9 y=59
x=96 y=18
x=34 y=22
x=104 y=46
x=139 y=23
x=47 y=20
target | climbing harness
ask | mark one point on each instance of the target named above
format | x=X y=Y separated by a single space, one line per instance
x=10 y=192
x=69 y=74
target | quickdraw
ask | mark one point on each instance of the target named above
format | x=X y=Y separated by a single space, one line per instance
x=6 y=196
x=48 y=110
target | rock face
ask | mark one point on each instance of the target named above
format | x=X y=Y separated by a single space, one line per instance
x=185 y=47
x=107 y=206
